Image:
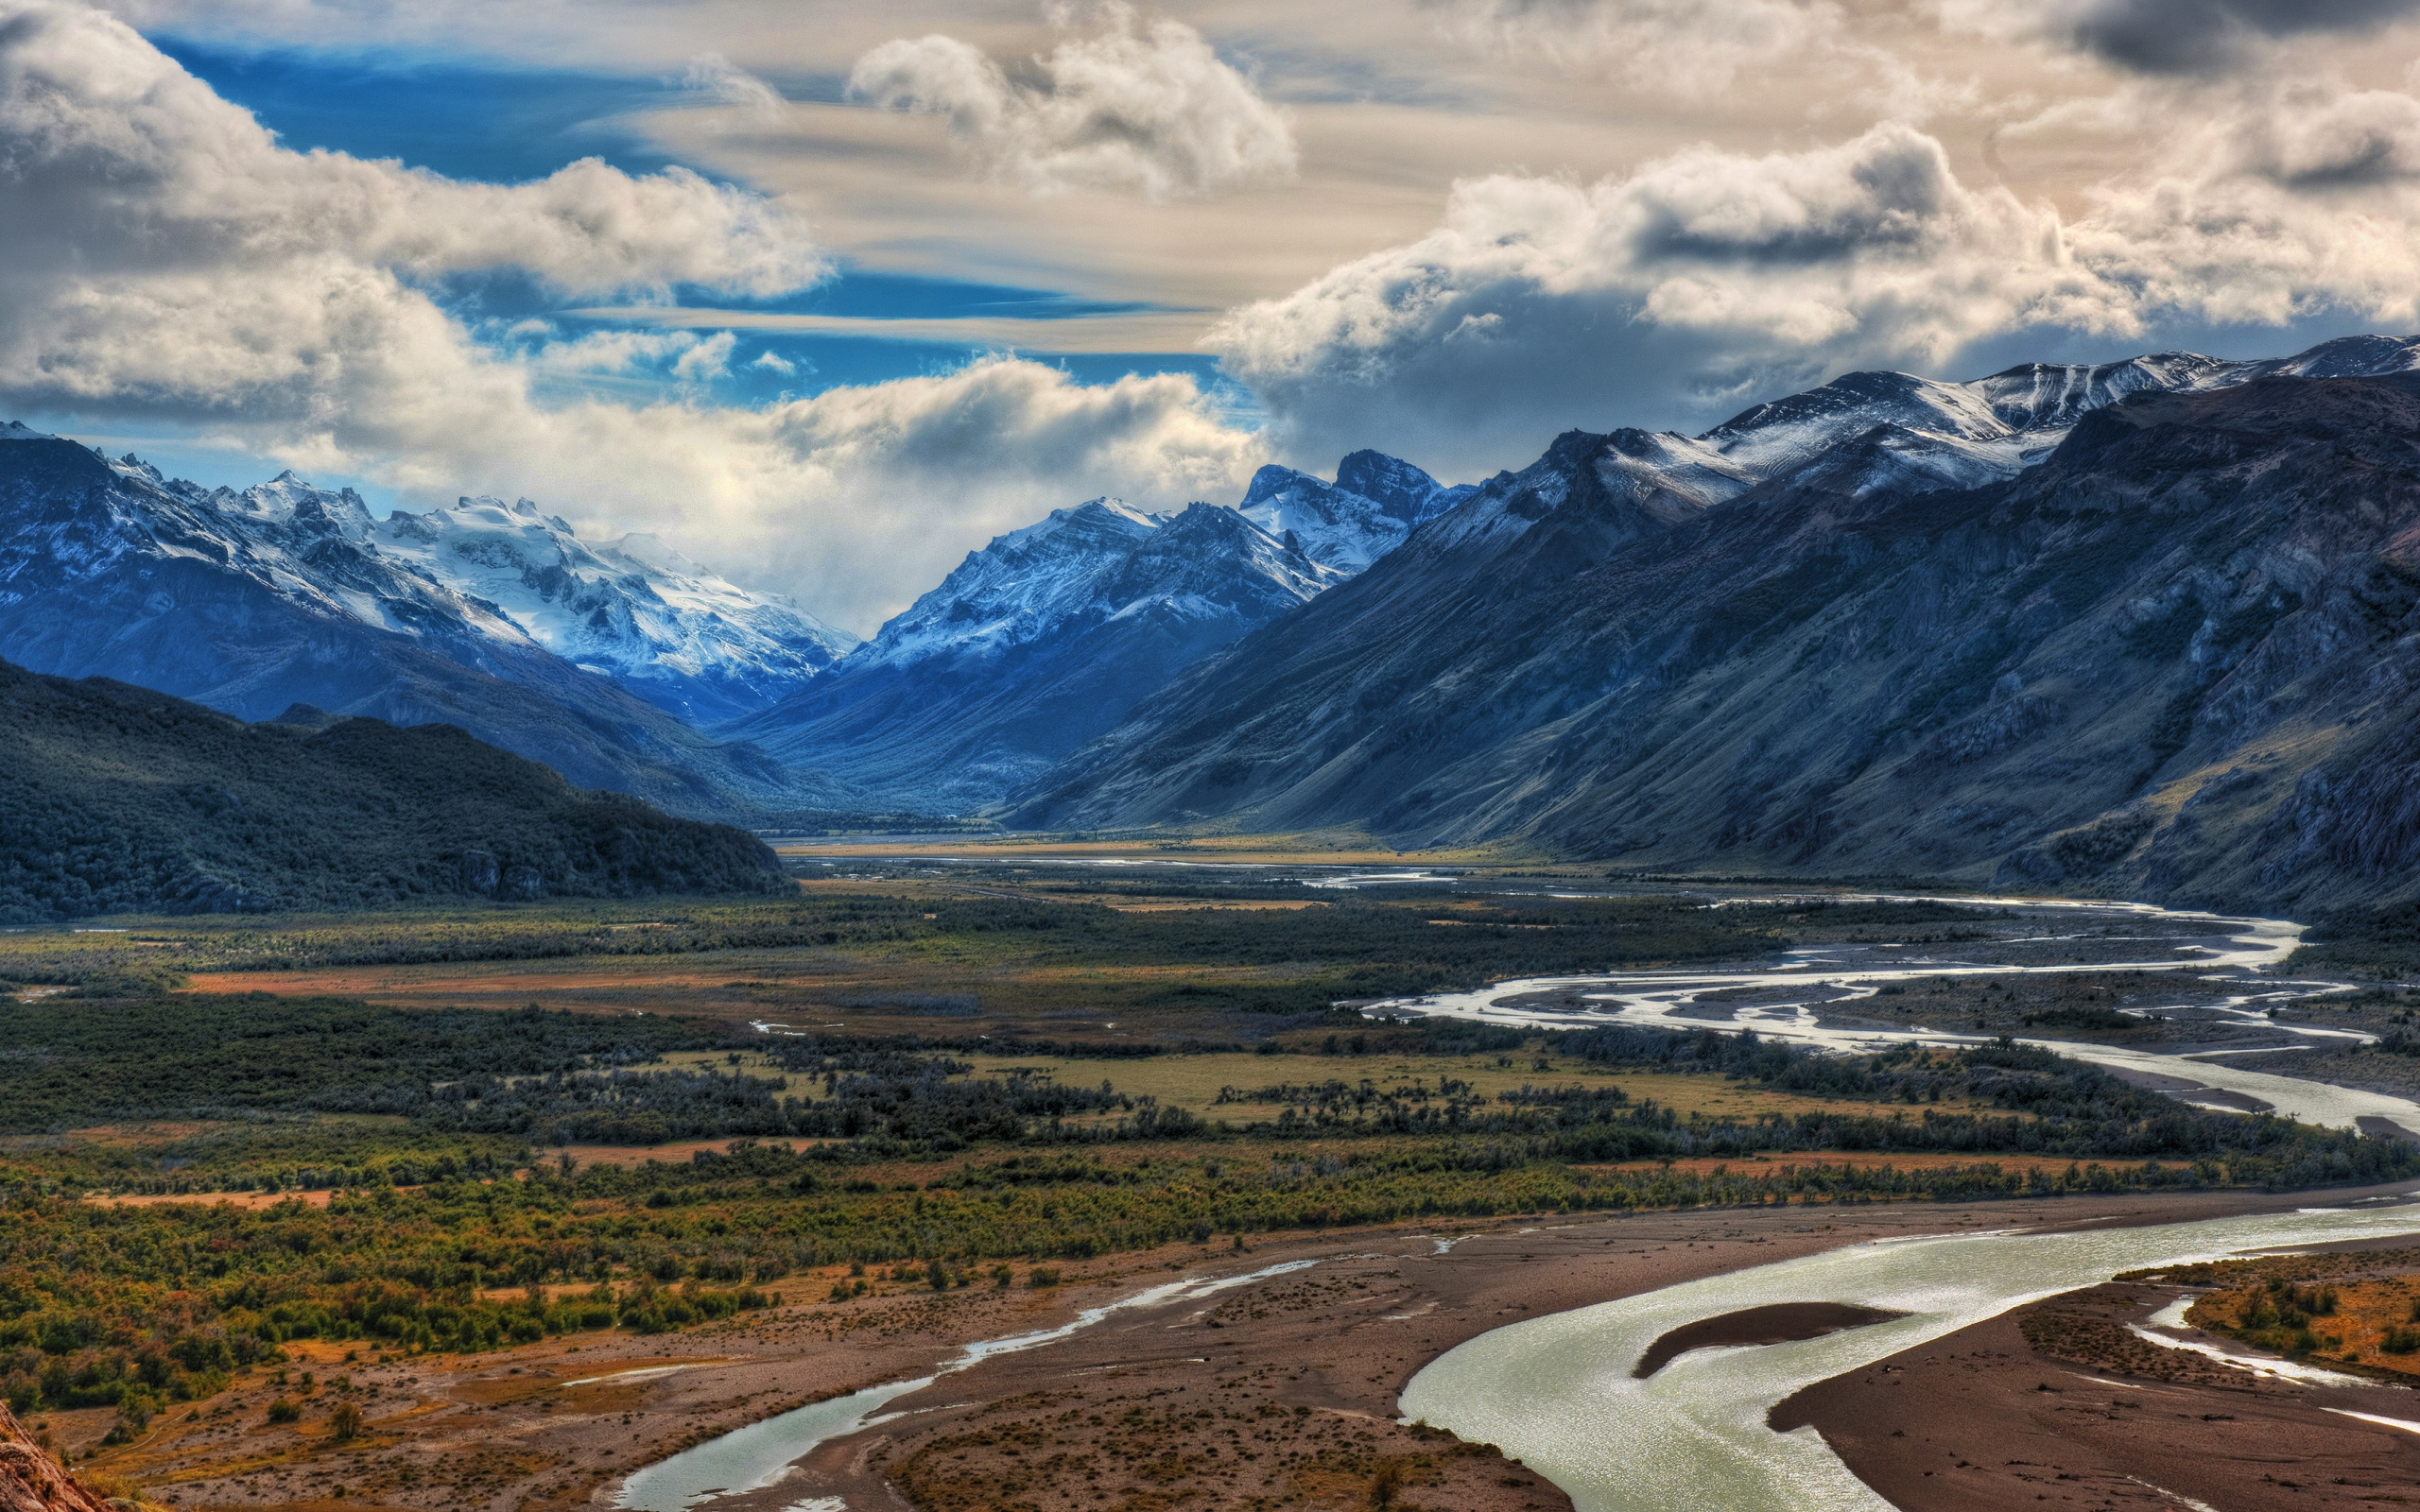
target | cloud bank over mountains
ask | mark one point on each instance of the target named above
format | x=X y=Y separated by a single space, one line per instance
x=1457 y=226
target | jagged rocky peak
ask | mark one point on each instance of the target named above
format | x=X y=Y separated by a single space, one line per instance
x=1374 y=502
x=1392 y=481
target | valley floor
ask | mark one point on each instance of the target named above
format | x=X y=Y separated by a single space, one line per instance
x=1281 y=1392
x=930 y=1101
x=2064 y=1402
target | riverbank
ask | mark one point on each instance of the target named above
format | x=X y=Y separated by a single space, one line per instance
x=2060 y=1401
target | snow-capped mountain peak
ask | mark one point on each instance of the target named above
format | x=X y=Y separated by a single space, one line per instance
x=676 y=634
x=1077 y=563
x=1347 y=525
x=482 y=574
x=1034 y=645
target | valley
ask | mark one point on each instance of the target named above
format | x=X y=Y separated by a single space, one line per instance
x=765 y=1151
x=1151 y=756
x=1201 y=979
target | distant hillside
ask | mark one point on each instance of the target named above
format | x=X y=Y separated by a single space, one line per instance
x=115 y=798
x=2159 y=644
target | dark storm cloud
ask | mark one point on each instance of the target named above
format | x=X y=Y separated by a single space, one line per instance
x=2201 y=35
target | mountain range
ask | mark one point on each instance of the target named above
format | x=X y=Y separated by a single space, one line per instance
x=627 y=666
x=2150 y=627
x=2130 y=626
x=1034 y=645
x=485 y=616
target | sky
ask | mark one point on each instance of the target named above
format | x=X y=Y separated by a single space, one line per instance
x=828 y=294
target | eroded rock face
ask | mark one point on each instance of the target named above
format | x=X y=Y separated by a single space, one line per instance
x=31 y=1480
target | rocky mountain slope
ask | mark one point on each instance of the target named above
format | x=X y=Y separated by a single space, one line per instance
x=1034 y=645
x=2153 y=627
x=288 y=594
x=116 y=798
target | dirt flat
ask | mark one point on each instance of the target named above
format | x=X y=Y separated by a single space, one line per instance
x=1983 y=1420
x=249 y=1201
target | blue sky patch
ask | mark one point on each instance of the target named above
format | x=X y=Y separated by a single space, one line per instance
x=495 y=126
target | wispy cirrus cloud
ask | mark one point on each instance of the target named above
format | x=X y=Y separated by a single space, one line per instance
x=1664 y=46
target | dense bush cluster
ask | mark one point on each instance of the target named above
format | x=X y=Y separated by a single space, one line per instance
x=202 y=1055
x=2052 y=1107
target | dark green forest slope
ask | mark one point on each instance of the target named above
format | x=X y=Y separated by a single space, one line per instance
x=115 y=798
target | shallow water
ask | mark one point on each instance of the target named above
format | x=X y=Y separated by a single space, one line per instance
x=756 y=1456
x=2204 y=946
x=1557 y=1392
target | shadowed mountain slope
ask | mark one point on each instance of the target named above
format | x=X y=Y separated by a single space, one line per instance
x=116 y=798
x=2179 y=657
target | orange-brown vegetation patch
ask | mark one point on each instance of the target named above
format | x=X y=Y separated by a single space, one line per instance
x=2347 y=1307
x=249 y=1201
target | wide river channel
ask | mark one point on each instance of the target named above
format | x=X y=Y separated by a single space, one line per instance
x=1801 y=997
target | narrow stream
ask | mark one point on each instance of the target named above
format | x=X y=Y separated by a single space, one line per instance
x=753 y=1457
x=1557 y=1392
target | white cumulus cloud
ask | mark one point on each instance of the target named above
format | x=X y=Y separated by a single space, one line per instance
x=1141 y=105
x=2275 y=203
x=163 y=257
x=1707 y=274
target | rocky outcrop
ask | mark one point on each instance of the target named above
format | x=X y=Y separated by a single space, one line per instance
x=31 y=1480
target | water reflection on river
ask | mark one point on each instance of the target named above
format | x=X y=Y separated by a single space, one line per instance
x=1557 y=1392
